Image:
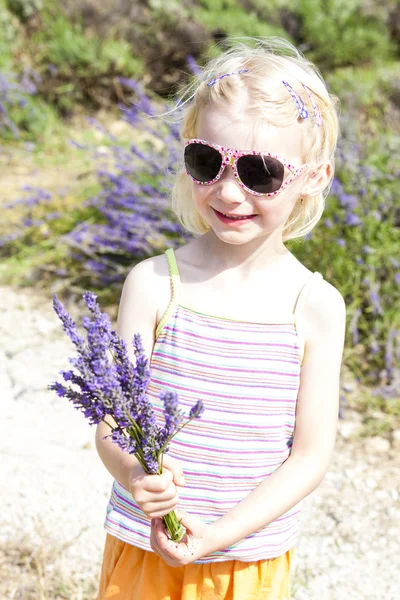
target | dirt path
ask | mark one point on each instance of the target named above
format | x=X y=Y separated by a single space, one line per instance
x=55 y=488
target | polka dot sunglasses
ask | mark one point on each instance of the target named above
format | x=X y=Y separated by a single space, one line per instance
x=259 y=173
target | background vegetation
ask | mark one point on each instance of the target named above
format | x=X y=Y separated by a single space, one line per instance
x=61 y=62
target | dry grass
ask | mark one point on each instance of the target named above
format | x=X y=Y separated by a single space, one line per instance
x=36 y=569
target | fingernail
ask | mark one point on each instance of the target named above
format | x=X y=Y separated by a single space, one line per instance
x=181 y=480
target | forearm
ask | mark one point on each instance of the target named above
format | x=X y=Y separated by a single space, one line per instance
x=295 y=479
x=117 y=462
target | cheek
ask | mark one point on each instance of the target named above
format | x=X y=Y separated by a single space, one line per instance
x=277 y=211
x=199 y=194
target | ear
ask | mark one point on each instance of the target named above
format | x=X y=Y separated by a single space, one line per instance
x=318 y=180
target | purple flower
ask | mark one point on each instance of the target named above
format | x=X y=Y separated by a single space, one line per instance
x=173 y=416
x=194 y=67
x=125 y=442
x=68 y=324
x=352 y=219
x=354 y=326
x=117 y=387
x=348 y=201
x=197 y=410
x=376 y=301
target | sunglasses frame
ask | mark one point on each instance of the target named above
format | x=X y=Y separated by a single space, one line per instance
x=231 y=157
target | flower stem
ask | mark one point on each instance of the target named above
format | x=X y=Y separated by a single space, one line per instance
x=175 y=529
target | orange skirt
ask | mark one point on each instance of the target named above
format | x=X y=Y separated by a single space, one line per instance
x=129 y=573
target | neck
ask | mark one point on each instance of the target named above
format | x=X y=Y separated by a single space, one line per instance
x=266 y=252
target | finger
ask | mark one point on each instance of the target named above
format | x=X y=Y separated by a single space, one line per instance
x=153 y=538
x=158 y=483
x=175 y=467
x=161 y=541
x=159 y=529
x=145 y=496
x=155 y=510
x=187 y=520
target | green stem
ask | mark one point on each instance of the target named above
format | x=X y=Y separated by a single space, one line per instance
x=174 y=527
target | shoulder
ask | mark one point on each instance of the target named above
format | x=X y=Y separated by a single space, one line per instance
x=150 y=281
x=325 y=306
x=325 y=322
x=145 y=293
x=149 y=274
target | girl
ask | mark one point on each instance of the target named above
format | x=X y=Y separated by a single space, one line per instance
x=234 y=319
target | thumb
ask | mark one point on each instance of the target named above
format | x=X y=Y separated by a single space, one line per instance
x=187 y=520
x=173 y=465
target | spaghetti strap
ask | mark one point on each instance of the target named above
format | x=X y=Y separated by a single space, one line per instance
x=175 y=281
x=172 y=264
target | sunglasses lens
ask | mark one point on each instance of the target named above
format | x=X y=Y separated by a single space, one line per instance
x=262 y=174
x=202 y=162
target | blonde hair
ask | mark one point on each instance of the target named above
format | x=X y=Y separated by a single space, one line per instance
x=268 y=61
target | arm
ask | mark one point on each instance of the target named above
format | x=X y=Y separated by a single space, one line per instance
x=313 y=442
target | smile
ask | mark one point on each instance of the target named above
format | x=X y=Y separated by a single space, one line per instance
x=237 y=217
x=226 y=218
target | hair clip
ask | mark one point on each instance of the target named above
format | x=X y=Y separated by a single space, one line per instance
x=215 y=79
x=303 y=112
x=317 y=112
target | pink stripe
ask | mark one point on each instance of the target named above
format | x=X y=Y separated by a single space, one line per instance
x=262 y=344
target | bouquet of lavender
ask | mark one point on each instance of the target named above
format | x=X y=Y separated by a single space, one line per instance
x=105 y=382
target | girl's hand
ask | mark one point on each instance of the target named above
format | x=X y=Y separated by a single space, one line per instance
x=198 y=541
x=157 y=495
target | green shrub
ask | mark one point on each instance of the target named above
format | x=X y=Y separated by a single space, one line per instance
x=366 y=94
x=75 y=64
x=68 y=46
x=228 y=16
x=336 y=33
x=24 y=8
x=8 y=37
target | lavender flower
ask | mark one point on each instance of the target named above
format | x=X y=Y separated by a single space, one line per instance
x=119 y=389
x=354 y=326
x=197 y=410
x=353 y=219
x=173 y=416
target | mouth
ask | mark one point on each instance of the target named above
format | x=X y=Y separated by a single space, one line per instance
x=230 y=218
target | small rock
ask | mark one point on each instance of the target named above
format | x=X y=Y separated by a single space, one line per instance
x=371 y=483
x=353 y=416
x=396 y=439
x=120 y=128
x=377 y=444
x=348 y=429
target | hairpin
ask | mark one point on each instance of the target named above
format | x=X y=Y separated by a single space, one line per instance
x=303 y=112
x=317 y=112
x=215 y=79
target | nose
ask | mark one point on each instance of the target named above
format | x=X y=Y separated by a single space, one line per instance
x=228 y=189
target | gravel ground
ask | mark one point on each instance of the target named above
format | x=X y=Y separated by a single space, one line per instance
x=54 y=486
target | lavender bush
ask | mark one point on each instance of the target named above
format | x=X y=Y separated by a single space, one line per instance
x=14 y=92
x=135 y=219
x=117 y=388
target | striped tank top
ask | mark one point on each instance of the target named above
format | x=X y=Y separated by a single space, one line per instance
x=247 y=375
